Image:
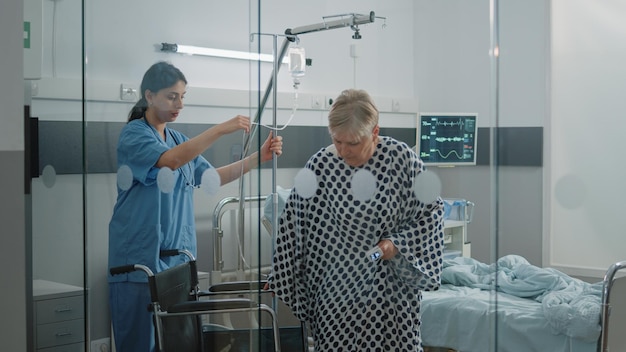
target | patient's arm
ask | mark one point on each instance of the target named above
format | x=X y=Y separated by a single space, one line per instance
x=419 y=242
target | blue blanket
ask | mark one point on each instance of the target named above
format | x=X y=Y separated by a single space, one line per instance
x=571 y=306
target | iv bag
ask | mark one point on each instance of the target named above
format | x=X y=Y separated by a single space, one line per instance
x=297 y=61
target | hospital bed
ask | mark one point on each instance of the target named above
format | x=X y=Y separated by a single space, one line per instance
x=510 y=304
x=513 y=306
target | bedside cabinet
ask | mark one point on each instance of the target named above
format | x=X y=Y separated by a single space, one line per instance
x=455 y=239
x=457 y=214
x=59 y=317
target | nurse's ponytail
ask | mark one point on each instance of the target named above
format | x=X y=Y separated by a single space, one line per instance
x=139 y=110
x=160 y=75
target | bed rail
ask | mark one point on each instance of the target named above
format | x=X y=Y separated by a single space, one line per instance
x=218 y=232
x=607 y=285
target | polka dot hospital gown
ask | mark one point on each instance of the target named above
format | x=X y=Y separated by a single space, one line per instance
x=320 y=267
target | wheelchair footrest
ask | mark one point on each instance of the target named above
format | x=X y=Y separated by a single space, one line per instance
x=240 y=340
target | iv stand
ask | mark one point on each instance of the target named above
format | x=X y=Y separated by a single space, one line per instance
x=346 y=20
x=353 y=20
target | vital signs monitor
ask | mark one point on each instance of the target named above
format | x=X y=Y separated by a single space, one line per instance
x=447 y=139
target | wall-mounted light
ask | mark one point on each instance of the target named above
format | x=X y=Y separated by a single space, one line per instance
x=231 y=54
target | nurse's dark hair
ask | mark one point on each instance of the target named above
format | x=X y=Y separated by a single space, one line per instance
x=160 y=75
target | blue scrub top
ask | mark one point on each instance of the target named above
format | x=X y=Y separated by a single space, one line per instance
x=146 y=220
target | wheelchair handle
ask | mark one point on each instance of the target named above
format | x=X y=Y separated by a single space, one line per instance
x=168 y=252
x=174 y=252
x=125 y=269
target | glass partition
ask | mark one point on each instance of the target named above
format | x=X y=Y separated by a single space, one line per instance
x=93 y=69
x=57 y=217
x=582 y=232
x=117 y=55
x=96 y=53
x=524 y=201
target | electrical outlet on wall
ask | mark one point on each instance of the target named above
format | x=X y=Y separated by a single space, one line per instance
x=128 y=92
x=328 y=102
x=395 y=105
x=316 y=102
x=101 y=345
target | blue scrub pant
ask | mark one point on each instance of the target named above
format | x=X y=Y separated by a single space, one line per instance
x=133 y=329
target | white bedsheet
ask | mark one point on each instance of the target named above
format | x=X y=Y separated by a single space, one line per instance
x=474 y=320
x=533 y=309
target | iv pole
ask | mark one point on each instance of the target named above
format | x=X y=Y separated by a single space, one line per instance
x=346 y=20
x=353 y=21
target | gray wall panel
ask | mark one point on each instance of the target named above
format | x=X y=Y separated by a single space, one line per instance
x=60 y=145
x=517 y=146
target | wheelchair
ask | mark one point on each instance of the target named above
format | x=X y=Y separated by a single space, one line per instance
x=180 y=311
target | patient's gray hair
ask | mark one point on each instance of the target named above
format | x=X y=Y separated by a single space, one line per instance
x=353 y=112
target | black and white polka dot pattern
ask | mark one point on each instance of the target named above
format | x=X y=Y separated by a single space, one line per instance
x=321 y=271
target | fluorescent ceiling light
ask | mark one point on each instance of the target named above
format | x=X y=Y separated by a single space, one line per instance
x=231 y=54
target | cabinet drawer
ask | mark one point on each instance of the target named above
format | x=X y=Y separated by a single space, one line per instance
x=61 y=333
x=60 y=309
x=76 y=347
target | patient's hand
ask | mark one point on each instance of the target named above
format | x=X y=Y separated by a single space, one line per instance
x=266 y=287
x=388 y=248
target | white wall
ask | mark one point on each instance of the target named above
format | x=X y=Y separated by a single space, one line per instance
x=122 y=40
x=452 y=61
x=454 y=72
x=586 y=186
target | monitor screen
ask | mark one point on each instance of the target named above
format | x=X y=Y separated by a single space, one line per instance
x=447 y=139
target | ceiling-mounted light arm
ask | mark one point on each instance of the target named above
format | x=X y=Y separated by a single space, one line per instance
x=357 y=34
x=291 y=35
x=346 y=20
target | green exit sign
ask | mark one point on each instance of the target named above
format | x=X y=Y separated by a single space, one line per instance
x=26 y=35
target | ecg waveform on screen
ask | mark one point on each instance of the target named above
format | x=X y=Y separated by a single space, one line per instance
x=459 y=123
x=446 y=156
x=447 y=139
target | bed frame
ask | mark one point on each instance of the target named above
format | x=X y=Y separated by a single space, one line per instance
x=493 y=323
x=607 y=285
x=469 y=319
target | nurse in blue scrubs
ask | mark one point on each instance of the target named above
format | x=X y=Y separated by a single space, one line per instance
x=158 y=170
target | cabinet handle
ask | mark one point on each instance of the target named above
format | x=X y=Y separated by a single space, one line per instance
x=62 y=334
x=63 y=309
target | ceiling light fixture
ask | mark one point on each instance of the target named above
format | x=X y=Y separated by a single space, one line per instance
x=230 y=54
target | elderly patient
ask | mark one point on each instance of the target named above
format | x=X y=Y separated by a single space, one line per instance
x=362 y=202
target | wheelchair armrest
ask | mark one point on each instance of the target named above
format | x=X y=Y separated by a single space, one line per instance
x=212 y=305
x=238 y=286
